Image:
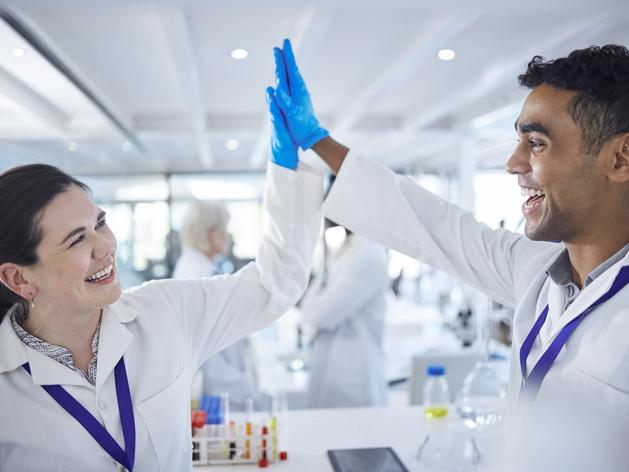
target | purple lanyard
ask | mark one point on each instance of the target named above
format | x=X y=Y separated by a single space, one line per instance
x=532 y=383
x=93 y=426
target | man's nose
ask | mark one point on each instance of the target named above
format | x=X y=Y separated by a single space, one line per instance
x=519 y=162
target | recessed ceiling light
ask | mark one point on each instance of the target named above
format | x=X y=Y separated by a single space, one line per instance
x=232 y=144
x=446 y=54
x=126 y=146
x=239 y=53
x=18 y=52
x=71 y=146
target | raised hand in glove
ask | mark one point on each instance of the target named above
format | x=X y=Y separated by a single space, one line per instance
x=294 y=100
x=283 y=149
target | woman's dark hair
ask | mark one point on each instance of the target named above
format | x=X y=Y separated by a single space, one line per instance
x=25 y=191
x=600 y=76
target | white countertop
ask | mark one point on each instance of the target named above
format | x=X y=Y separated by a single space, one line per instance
x=313 y=432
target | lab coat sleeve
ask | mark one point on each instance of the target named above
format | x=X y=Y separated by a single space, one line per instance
x=391 y=209
x=365 y=275
x=214 y=312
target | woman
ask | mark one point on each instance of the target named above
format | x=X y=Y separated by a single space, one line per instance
x=346 y=309
x=92 y=379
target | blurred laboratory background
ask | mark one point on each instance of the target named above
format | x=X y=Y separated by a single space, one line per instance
x=157 y=105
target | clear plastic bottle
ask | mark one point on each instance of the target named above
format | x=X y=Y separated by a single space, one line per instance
x=443 y=447
x=436 y=393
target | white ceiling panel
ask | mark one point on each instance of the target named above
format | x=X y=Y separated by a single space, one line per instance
x=150 y=87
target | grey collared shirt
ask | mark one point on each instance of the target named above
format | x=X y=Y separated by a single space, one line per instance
x=560 y=272
x=57 y=353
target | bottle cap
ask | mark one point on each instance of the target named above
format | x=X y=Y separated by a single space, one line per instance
x=283 y=455
x=435 y=370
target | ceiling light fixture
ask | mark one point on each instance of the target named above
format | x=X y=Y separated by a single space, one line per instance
x=446 y=54
x=71 y=146
x=232 y=144
x=239 y=54
x=18 y=52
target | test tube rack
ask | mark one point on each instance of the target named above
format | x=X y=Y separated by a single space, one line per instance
x=237 y=443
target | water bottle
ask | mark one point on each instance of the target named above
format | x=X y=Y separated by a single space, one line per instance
x=443 y=447
x=436 y=393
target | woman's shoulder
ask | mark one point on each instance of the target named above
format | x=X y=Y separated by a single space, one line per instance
x=150 y=292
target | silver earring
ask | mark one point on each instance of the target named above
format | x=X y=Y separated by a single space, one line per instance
x=32 y=301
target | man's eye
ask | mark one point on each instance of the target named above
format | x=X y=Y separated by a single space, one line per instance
x=101 y=223
x=77 y=240
x=535 y=144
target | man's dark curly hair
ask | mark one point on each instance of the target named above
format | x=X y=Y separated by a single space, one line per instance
x=600 y=76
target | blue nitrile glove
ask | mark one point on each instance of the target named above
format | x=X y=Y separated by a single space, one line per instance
x=294 y=99
x=283 y=149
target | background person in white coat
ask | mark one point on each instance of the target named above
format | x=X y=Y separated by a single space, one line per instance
x=110 y=372
x=569 y=375
x=204 y=239
x=345 y=308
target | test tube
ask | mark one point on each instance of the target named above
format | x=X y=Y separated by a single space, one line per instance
x=273 y=426
x=232 y=439
x=265 y=443
x=278 y=424
x=248 y=426
x=224 y=414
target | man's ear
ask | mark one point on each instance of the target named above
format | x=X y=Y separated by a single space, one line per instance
x=620 y=171
x=12 y=276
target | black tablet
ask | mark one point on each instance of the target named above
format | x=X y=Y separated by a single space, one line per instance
x=373 y=459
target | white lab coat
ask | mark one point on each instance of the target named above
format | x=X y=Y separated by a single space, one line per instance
x=165 y=330
x=582 y=407
x=230 y=370
x=347 y=316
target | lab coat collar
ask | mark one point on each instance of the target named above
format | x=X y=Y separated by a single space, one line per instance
x=12 y=350
x=589 y=295
x=114 y=340
x=44 y=370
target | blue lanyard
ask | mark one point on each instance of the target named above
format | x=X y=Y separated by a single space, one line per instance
x=93 y=426
x=532 y=383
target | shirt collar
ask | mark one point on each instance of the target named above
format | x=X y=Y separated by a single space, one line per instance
x=114 y=339
x=560 y=271
x=57 y=353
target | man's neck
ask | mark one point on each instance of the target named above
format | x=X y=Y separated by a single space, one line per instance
x=584 y=258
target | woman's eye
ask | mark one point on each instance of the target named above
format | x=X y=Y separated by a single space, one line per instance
x=101 y=223
x=77 y=240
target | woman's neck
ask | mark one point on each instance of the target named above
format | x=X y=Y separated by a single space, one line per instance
x=72 y=331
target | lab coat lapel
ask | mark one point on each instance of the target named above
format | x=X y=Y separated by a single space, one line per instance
x=44 y=370
x=114 y=340
x=589 y=295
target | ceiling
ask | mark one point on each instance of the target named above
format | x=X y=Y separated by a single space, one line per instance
x=122 y=87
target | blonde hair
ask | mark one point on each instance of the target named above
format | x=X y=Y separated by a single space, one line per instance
x=200 y=218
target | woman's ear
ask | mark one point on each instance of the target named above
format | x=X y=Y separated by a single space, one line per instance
x=620 y=171
x=12 y=276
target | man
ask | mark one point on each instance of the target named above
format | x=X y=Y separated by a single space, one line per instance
x=205 y=240
x=570 y=372
x=345 y=308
